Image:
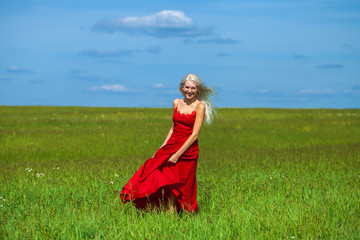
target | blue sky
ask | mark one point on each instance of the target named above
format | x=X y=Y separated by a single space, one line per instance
x=130 y=53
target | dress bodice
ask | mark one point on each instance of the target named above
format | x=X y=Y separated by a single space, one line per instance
x=183 y=128
x=183 y=122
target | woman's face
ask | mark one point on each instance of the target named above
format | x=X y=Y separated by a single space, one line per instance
x=189 y=90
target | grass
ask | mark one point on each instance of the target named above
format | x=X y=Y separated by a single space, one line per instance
x=262 y=174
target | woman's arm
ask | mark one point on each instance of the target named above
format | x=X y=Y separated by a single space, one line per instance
x=175 y=103
x=200 y=112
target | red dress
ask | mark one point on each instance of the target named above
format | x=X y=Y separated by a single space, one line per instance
x=157 y=178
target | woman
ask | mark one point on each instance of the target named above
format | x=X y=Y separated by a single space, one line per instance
x=168 y=179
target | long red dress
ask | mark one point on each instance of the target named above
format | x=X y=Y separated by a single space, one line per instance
x=157 y=178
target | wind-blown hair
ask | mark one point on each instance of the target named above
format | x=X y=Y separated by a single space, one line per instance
x=203 y=95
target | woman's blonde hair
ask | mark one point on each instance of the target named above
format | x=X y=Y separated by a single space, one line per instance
x=203 y=95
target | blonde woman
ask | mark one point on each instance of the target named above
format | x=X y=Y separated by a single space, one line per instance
x=168 y=179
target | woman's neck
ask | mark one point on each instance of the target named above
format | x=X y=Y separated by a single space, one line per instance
x=189 y=102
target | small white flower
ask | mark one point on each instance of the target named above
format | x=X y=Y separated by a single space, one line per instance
x=111 y=182
x=116 y=175
x=293 y=237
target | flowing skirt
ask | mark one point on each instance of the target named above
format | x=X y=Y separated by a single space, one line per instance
x=156 y=179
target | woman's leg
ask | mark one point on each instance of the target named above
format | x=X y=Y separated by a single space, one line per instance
x=172 y=203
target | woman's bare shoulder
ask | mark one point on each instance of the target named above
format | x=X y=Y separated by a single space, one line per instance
x=176 y=102
x=201 y=106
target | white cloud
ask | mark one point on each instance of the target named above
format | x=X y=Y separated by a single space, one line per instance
x=110 y=88
x=166 y=18
x=17 y=69
x=158 y=85
x=167 y=23
x=316 y=92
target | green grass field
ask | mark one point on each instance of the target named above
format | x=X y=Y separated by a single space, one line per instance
x=262 y=174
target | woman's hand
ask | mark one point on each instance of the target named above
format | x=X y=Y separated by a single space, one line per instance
x=174 y=158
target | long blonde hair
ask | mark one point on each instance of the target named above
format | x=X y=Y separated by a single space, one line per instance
x=203 y=95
